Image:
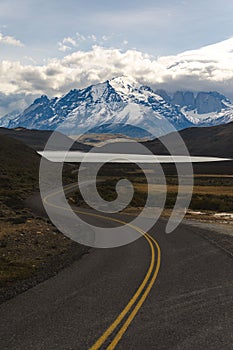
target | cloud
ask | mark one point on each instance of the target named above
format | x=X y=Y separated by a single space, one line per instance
x=14 y=102
x=10 y=40
x=208 y=68
x=78 y=40
x=68 y=43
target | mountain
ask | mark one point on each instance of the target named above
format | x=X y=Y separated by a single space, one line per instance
x=5 y=121
x=204 y=108
x=123 y=106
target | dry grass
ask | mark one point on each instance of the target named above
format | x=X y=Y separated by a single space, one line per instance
x=26 y=247
x=216 y=190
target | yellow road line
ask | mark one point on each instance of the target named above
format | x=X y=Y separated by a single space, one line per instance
x=132 y=315
x=135 y=297
x=127 y=308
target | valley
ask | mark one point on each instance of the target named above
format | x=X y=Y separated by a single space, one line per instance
x=33 y=250
x=116 y=175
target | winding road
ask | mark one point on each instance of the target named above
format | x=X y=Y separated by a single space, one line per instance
x=160 y=292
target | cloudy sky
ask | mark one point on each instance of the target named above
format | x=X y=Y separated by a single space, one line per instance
x=49 y=47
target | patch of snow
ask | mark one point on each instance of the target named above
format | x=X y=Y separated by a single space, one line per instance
x=195 y=212
x=196 y=118
x=224 y=215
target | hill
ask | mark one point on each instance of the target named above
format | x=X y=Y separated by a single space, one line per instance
x=19 y=168
x=31 y=248
x=215 y=141
x=37 y=139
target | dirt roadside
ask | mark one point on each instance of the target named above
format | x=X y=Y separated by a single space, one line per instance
x=32 y=250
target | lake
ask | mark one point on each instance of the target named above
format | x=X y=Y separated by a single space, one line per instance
x=77 y=157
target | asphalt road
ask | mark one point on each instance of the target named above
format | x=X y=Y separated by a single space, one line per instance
x=189 y=305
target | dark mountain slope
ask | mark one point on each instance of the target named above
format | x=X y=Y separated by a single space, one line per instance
x=215 y=141
x=37 y=139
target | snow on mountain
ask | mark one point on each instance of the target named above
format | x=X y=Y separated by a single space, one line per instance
x=207 y=108
x=122 y=105
x=5 y=121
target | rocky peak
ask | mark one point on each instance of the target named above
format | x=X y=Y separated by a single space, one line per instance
x=207 y=103
x=41 y=100
x=124 y=101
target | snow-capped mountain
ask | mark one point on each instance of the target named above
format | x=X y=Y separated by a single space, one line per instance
x=121 y=105
x=5 y=121
x=204 y=109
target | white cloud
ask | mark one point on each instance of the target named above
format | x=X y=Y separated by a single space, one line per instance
x=92 y=37
x=80 y=37
x=69 y=43
x=105 y=37
x=62 y=47
x=10 y=40
x=78 y=40
x=66 y=44
x=209 y=68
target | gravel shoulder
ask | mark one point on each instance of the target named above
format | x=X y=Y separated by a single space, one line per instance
x=219 y=234
x=32 y=250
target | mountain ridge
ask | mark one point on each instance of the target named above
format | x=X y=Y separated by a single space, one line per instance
x=213 y=141
x=123 y=101
x=37 y=139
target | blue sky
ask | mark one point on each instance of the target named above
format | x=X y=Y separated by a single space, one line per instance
x=157 y=27
x=38 y=37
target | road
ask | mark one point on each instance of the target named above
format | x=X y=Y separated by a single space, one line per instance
x=182 y=300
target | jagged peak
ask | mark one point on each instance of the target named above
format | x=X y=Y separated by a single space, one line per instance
x=120 y=98
x=41 y=99
x=124 y=81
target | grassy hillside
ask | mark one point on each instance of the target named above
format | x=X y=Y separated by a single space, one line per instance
x=31 y=248
x=18 y=172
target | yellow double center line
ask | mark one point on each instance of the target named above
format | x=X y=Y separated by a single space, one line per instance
x=142 y=292
x=138 y=298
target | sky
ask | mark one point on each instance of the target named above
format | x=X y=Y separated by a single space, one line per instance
x=49 y=47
